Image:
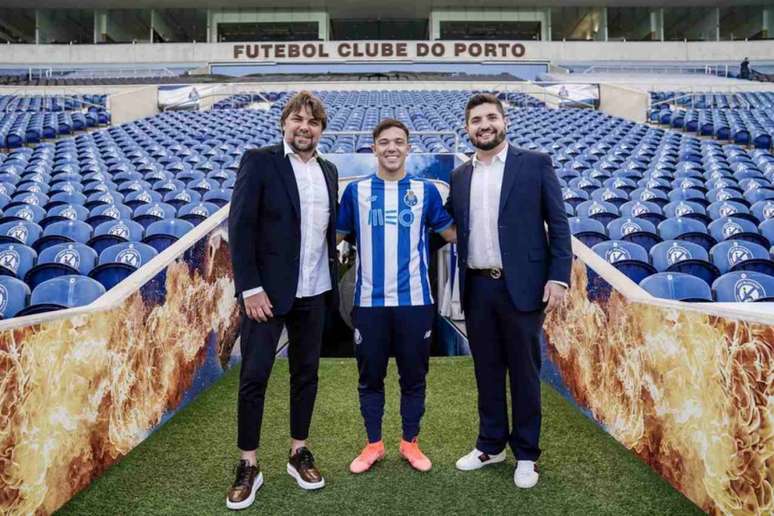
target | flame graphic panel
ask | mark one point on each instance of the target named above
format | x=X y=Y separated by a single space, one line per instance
x=78 y=393
x=687 y=392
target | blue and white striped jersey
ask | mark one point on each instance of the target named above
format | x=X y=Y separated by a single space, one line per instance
x=391 y=220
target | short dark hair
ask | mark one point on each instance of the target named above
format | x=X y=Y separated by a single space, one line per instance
x=386 y=124
x=482 y=98
x=305 y=99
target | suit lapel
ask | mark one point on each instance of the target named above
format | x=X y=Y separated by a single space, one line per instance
x=289 y=180
x=510 y=175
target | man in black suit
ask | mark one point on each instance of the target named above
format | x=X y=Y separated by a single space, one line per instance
x=511 y=272
x=282 y=236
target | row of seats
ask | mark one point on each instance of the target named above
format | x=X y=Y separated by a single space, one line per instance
x=745 y=118
x=744 y=127
x=733 y=287
x=49 y=103
x=150 y=181
x=21 y=128
x=710 y=100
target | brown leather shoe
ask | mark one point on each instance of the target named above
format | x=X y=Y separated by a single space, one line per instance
x=301 y=467
x=248 y=480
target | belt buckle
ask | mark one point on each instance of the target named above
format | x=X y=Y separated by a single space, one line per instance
x=495 y=273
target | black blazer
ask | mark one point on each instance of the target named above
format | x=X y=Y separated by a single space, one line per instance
x=264 y=226
x=530 y=196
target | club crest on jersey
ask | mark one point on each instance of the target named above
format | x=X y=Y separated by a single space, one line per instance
x=410 y=198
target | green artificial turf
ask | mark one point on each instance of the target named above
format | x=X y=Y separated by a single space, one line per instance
x=186 y=466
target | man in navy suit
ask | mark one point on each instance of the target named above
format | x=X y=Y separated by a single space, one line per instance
x=282 y=236
x=511 y=272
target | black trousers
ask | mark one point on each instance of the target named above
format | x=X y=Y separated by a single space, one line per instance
x=504 y=340
x=258 y=345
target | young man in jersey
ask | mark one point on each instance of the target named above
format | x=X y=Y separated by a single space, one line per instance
x=390 y=215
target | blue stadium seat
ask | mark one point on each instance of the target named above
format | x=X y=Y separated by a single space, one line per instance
x=108 y=212
x=20 y=231
x=686 y=257
x=628 y=257
x=63 y=292
x=602 y=211
x=115 y=232
x=219 y=197
x=649 y=211
x=117 y=262
x=14 y=296
x=61 y=260
x=677 y=286
x=683 y=228
x=766 y=228
x=197 y=212
x=688 y=209
x=739 y=255
x=163 y=234
x=62 y=232
x=744 y=287
x=27 y=212
x=727 y=228
x=16 y=259
x=763 y=210
x=588 y=231
x=633 y=229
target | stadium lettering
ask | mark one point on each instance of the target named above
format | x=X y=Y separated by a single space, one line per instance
x=494 y=50
x=379 y=50
x=280 y=51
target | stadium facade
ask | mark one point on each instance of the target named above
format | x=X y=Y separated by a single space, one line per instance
x=123 y=21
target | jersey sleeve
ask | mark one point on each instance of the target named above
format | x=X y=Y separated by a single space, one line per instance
x=437 y=217
x=345 y=220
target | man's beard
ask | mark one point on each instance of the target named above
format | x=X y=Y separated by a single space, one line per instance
x=497 y=140
x=302 y=147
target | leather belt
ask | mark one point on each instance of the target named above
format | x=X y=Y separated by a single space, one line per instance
x=487 y=273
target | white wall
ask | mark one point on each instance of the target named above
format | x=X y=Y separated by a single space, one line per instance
x=623 y=102
x=133 y=104
x=169 y=53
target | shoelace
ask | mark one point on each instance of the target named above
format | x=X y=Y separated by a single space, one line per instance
x=242 y=471
x=306 y=458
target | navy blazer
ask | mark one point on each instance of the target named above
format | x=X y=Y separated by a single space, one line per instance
x=530 y=196
x=264 y=226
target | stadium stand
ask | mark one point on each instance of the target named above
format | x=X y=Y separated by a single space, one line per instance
x=647 y=199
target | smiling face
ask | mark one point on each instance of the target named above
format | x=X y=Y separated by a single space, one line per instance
x=302 y=131
x=485 y=126
x=391 y=148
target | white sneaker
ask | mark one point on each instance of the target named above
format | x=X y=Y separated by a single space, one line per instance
x=525 y=475
x=478 y=459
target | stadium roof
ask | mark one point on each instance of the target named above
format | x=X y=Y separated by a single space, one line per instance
x=367 y=8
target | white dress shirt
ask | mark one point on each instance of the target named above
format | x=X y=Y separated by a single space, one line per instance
x=313 y=270
x=485 y=188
